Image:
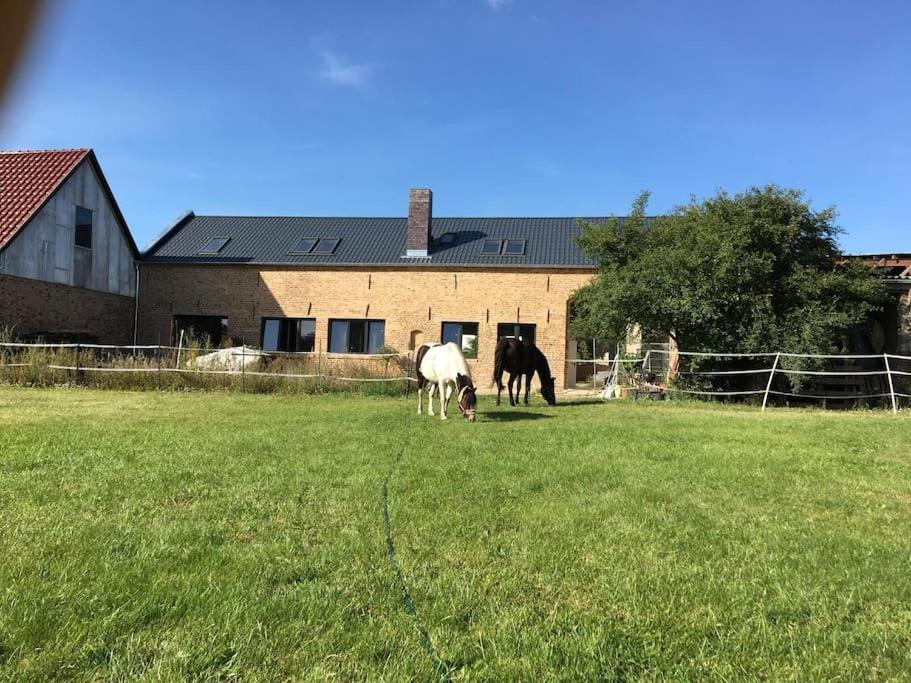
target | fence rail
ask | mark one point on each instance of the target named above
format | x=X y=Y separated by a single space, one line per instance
x=871 y=376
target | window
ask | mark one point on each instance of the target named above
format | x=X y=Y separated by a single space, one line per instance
x=83 y=228
x=465 y=335
x=326 y=246
x=447 y=238
x=208 y=330
x=491 y=247
x=514 y=248
x=215 y=245
x=288 y=334
x=356 y=336
x=523 y=331
x=304 y=246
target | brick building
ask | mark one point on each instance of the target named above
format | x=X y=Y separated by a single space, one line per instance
x=67 y=260
x=894 y=321
x=355 y=285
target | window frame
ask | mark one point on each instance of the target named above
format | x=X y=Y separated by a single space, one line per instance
x=506 y=244
x=77 y=225
x=214 y=252
x=461 y=324
x=517 y=331
x=484 y=244
x=295 y=247
x=365 y=338
x=316 y=252
x=285 y=337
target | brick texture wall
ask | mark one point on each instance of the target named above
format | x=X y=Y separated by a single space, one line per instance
x=414 y=303
x=37 y=307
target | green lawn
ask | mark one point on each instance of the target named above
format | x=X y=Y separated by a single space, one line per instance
x=175 y=536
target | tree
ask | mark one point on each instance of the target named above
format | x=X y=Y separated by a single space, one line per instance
x=753 y=272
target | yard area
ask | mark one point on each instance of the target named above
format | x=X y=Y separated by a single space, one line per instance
x=198 y=535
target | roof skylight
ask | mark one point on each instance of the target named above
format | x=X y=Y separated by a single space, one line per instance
x=304 y=246
x=326 y=246
x=492 y=247
x=214 y=245
x=514 y=248
x=447 y=238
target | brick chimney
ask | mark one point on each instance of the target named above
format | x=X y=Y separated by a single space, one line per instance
x=420 y=213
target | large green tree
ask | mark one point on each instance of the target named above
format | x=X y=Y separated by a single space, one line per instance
x=751 y=272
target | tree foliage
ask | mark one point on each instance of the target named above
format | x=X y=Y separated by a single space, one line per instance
x=753 y=272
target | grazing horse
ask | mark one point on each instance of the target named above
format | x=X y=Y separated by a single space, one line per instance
x=444 y=365
x=522 y=358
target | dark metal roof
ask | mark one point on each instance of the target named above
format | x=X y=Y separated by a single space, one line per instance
x=369 y=241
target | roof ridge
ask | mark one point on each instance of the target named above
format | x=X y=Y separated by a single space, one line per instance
x=46 y=151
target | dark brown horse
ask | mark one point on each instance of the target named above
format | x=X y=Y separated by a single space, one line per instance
x=522 y=358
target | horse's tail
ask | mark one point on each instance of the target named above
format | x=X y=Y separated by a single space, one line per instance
x=499 y=358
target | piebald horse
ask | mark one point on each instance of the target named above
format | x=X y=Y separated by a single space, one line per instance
x=444 y=366
x=519 y=358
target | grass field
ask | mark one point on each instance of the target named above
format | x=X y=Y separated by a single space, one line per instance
x=176 y=536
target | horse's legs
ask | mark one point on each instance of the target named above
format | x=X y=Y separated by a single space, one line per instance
x=420 y=398
x=431 y=388
x=518 y=387
x=444 y=399
x=512 y=379
x=528 y=386
x=499 y=381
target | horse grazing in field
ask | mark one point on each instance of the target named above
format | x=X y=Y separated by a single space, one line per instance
x=444 y=366
x=522 y=358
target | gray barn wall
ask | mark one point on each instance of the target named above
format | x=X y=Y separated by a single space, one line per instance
x=44 y=249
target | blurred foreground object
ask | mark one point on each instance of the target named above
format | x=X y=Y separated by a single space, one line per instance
x=17 y=21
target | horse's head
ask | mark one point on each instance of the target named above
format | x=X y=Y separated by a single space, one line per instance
x=547 y=390
x=467 y=398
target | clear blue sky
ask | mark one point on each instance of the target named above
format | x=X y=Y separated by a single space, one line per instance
x=507 y=107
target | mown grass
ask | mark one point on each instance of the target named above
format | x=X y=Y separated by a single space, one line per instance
x=191 y=536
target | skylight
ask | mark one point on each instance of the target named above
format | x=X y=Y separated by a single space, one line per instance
x=215 y=245
x=447 y=238
x=491 y=247
x=304 y=246
x=326 y=246
x=515 y=248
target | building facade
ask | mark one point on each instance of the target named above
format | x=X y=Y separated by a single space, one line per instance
x=67 y=259
x=359 y=285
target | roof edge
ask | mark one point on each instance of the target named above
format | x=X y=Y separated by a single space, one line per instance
x=176 y=225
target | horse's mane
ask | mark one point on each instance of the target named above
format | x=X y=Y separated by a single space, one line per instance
x=542 y=366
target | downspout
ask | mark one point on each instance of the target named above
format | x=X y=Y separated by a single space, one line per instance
x=136 y=307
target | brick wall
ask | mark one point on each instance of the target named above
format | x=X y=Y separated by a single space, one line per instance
x=414 y=302
x=37 y=307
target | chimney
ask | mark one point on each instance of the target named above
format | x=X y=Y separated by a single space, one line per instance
x=420 y=213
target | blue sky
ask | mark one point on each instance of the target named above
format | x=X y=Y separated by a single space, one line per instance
x=506 y=107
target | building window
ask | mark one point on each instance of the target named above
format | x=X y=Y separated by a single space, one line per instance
x=514 y=248
x=304 y=246
x=207 y=330
x=523 y=331
x=326 y=246
x=464 y=335
x=214 y=245
x=491 y=247
x=288 y=334
x=356 y=336
x=83 y=228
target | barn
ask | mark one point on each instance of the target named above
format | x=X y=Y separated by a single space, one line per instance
x=67 y=259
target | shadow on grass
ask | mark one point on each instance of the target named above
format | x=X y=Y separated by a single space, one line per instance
x=513 y=416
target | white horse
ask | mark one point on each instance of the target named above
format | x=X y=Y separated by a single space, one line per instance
x=444 y=366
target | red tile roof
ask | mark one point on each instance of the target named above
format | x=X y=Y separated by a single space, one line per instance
x=27 y=180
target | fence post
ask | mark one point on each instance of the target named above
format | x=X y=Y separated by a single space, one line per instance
x=891 y=386
x=158 y=356
x=78 y=378
x=319 y=366
x=768 y=386
x=243 y=368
